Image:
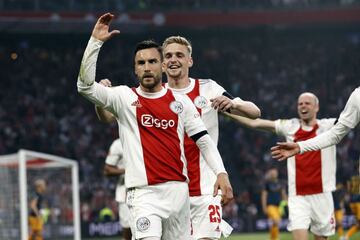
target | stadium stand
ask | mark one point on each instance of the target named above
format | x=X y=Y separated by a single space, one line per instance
x=163 y=5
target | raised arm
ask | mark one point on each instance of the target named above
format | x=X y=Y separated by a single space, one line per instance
x=96 y=93
x=258 y=124
x=99 y=35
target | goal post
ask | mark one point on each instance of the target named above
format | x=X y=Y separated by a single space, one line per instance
x=17 y=174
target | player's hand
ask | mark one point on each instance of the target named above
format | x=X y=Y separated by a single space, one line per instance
x=223 y=183
x=101 y=29
x=221 y=103
x=105 y=82
x=284 y=150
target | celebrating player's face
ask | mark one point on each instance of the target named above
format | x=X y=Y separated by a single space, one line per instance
x=148 y=68
x=177 y=61
x=307 y=106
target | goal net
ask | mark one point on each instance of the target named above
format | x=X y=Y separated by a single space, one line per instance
x=60 y=208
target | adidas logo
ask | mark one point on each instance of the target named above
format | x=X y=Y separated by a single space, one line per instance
x=217 y=229
x=136 y=104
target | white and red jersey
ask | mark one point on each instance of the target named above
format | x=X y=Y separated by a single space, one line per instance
x=151 y=128
x=115 y=158
x=200 y=91
x=311 y=172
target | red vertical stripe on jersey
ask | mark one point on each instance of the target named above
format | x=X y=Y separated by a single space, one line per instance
x=308 y=166
x=159 y=139
x=192 y=152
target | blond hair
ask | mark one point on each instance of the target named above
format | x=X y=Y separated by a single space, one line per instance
x=179 y=40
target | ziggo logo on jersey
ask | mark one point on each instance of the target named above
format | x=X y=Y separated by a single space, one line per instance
x=148 y=120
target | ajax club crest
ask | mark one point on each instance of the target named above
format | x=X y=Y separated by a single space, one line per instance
x=200 y=102
x=176 y=106
x=143 y=224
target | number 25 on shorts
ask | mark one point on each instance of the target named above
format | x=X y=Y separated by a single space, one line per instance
x=214 y=213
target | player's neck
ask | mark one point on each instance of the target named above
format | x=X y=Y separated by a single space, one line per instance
x=178 y=83
x=154 y=89
x=308 y=122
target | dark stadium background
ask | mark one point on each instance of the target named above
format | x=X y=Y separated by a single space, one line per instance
x=267 y=52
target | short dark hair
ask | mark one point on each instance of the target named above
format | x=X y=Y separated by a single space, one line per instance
x=146 y=44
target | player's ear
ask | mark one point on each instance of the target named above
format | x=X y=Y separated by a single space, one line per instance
x=317 y=108
x=136 y=71
x=191 y=62
x=163 y=66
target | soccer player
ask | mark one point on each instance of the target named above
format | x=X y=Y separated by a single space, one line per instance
x=209 y=98
x=354 y=190
x=152 y=124
x=271 y=196
x=311 y=176
x=114 y=166
x=35 y=219
x=349 y=118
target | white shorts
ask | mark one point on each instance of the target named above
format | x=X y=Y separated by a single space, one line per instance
x=315 y=211
x=161 y=210
x=206 y=215
x=124 y=215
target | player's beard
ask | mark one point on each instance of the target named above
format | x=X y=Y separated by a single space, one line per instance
x=150 y=81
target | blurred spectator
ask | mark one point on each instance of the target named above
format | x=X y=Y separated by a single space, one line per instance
x=164 y=5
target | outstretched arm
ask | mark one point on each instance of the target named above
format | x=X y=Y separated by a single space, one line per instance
x=235 y=106
x=259 y=124
x=333 y=136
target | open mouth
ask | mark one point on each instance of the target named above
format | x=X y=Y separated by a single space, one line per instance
x=174 y=67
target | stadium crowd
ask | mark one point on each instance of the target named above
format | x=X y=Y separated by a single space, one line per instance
x=163 y=5
x=41 y=110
